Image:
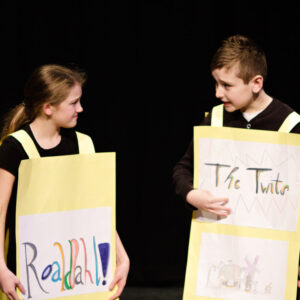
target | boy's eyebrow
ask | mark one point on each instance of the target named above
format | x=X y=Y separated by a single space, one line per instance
x=225 y=82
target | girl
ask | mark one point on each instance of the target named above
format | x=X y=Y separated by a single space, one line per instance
x=50 y=109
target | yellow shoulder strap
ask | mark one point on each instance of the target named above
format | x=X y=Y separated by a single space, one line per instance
x=290 y=122
x=217 y=116
x=85 y=143
x=26 y=141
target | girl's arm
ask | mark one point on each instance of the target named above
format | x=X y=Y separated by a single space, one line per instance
x=122 y=269
x=8 y=281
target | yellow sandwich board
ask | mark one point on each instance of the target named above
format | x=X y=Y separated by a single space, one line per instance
x=253 y=253
x=65 y=226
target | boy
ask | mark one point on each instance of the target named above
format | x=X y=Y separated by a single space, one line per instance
x=239 y=68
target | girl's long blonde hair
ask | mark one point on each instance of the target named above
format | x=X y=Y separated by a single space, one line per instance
x=47 y=84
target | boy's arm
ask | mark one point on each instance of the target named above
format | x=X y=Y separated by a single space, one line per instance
x=183 y=173
x=205 y=201
x=196 y=199
x=183 y=181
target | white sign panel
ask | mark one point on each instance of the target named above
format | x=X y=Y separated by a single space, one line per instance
x=236 y=268
x=262 y=182
x=69 y=254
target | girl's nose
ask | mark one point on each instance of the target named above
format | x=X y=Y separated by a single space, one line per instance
x=79 y=107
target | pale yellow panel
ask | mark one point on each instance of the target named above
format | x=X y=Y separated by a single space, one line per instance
x=252 y=135
x=197 y=228
x=87 y=179
x=95 y=172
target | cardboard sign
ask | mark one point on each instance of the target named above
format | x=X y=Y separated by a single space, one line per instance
x=253 y=253
x=65 y=226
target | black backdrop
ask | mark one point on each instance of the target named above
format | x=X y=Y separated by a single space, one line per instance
x=149 y=84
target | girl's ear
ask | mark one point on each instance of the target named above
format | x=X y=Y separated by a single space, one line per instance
x=48 y=109
x=257 y=84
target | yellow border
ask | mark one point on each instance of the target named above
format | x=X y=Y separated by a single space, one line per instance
x=197 y=227
x=97 y=176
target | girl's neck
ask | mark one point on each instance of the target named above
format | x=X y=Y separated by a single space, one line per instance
x=45 y=132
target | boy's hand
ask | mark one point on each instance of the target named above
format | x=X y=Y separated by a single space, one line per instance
x=9 y=283
x=205 y=201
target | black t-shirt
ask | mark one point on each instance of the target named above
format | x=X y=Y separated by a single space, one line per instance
x=12 y=152
x=11 y=155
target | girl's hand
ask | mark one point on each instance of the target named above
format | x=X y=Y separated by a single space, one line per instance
x=122 y=269
x=120 y=278
x=205 y=201
x=9 y=283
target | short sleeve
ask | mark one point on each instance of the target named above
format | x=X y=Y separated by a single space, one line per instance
x=11 y=154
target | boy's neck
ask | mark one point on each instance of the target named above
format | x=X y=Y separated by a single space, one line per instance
x=259 y=103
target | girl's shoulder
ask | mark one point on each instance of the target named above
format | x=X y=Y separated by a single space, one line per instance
x=11 y=154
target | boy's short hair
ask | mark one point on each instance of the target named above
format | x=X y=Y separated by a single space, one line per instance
x=243 y=50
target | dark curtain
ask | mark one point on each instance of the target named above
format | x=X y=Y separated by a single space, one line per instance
x=148 y=84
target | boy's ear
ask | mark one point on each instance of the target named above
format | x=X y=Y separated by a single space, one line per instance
x=257 y=84
x=48 y=109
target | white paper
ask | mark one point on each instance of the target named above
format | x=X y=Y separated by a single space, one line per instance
x=86 y=231
x=262 y=182
x=238 y=268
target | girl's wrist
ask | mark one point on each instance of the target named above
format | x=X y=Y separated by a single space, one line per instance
x=3 y=266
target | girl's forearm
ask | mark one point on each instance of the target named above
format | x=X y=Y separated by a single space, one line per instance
x=6 y=184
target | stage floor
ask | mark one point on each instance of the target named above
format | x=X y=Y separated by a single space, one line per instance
x=152 y=293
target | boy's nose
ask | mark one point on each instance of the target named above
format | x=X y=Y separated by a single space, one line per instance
x=219 y=92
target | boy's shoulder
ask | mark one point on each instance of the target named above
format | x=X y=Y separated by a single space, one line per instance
x=271 y=118
x=279 y=105
x=278 y=113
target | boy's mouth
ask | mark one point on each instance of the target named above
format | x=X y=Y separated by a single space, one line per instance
x=226 y=103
